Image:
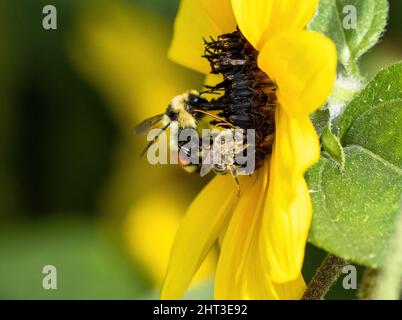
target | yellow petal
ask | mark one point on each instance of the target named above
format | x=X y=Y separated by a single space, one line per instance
x=255 y=280
x=239 y=235
x=261 y=19
x=199 y=229
x=286 y=223
x=258 y=284
x=150 y=227
x=303 y=64
x=288 y=210
x=253 y=18
x=240 y=273
x=192 y=24
x=290 y=15
x=220 y=11
x=291 y=290
x=296 y=145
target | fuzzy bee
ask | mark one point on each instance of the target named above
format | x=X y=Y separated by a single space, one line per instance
x=185 y=111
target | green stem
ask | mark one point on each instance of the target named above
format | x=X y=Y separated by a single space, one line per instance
x=353 y=70
x=324 y=278
x=389 y=284
x=368 y=283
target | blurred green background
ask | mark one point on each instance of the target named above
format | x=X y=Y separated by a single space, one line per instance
x=73 y=192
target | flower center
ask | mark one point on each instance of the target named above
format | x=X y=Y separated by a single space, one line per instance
x=248 y=96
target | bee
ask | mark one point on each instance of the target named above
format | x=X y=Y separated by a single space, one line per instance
x=185 y=111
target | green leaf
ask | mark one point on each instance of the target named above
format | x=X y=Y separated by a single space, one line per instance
x=355 y=212
x=332 y=145
x=351 y=42
x=320 y=120
x=386 y=86
x=379 y=130
x=389 y=284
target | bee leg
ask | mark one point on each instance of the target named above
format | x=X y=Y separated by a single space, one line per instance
x=236 y=180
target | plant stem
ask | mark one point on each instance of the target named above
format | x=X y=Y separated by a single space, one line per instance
x=389 y=284
x=324 y=278
x=368 y=283
x=353 y=70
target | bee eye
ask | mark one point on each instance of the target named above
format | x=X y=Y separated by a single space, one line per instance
x=193 y=100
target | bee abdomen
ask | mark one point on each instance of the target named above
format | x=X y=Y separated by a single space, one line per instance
x=220 y=169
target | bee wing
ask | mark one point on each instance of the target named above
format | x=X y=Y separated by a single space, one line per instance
x=147 y=124
x=207 y=166
x=205 y=169
x=155 y=139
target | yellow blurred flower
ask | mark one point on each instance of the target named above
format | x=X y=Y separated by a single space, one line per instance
x=150 y=229
x=266 y=228
x=122 y=51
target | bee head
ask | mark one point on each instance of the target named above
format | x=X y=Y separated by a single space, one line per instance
x=185 y=102
x=194 y=100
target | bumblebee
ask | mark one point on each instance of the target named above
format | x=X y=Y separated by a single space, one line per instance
x=185 y=110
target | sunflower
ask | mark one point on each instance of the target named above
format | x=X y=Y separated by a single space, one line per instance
x=263 y=232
